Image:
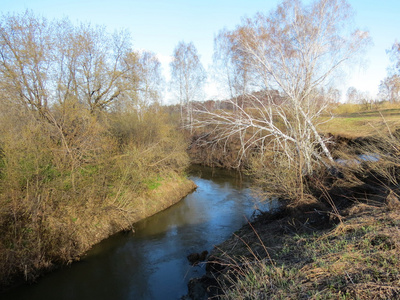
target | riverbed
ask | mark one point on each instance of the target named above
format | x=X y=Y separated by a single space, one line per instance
x=151 y=263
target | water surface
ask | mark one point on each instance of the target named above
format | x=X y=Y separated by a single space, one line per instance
x=151 y=263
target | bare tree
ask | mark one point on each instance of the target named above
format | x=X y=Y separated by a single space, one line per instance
x=27 y=56
x=58 y=72
x=352 y=95
x=187 y=77
x=99 y=65
x=389 y=88
x=46 y=62
x=366 y=99
x=394 y=54
x=234 y=74
x=293 y=50
x=151 y=81
x=333 y=95
x=143 y=82
x=25 y=59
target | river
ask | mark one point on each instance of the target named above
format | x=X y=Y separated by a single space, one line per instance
x=151 y=262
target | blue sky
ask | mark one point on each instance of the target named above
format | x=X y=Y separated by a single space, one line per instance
x=158 y=25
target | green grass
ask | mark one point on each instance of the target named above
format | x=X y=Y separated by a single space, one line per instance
x=362 y=123
x=154 y=183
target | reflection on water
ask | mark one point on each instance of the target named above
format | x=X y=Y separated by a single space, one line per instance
x=151 y=263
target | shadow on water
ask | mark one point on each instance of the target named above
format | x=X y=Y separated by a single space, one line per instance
x=151 y=263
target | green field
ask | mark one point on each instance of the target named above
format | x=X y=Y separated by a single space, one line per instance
x=362 y=123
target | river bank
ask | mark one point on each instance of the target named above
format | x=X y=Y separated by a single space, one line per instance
x=81 y=227
x=310 y=252
x=113 y=219
x=151 y=261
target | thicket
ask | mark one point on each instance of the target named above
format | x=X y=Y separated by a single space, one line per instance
x=346 y=246
x=78 y=155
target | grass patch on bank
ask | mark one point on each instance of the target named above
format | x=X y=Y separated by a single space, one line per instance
x=154 y=182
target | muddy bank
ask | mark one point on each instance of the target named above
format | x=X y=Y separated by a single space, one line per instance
x=78 y=227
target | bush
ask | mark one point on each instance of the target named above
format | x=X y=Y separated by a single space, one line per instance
x=61 y=184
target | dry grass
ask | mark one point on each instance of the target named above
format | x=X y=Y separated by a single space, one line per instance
x=358 y=259
x=352 y=120
x=60 y=194
x=361 y=126
x=305 y=252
